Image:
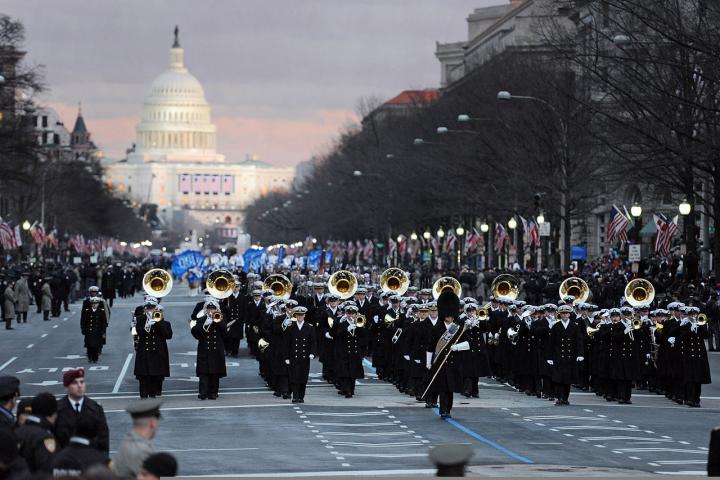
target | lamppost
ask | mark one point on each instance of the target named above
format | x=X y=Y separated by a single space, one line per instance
x=460 y=234
x=636 y=212
x=540 y=219
x=512 y=225
x=485 y=229
x=564 y=160
x=685 y=208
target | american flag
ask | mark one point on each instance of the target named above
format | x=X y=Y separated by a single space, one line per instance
x=7 y=237
x=665 y=231
x=472 y=240
x=617 y=228
x=533 y=233
x=450 y=241
x=51 y=238
x=368 y=250
x=37 y=231
x=501 y=237
x=392 y=246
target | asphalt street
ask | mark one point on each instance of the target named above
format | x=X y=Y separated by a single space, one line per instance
x=248 y=431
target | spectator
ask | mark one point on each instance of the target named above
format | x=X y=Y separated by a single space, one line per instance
x=74 y=459
x=76 y=405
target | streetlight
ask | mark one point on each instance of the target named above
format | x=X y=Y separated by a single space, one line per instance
x=418 y=141
x=441 y=130
x=26 y=225
x=399 y=238
x=621 y=39
x=540 y=218
x=427 y=235
x=463 y=118
x=504 y=95
x=685 y=207
x=357 y=173
x=512 y=223
x=460 y=231
x=440 y=232
x=484 y=227
x=413 y=236
x=636 y=210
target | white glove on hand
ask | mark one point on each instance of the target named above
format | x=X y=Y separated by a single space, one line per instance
x=208 y=322
x=428 y=365
x=328 y=336
x=287 y=362
x=694 y=327
x=376 y=319
x=416 y=361
x=580 y=359
x=351 y=328
x=671 y=340
x=454 y=348
x=627 y=330
x=550 y=362
x=647 y=355
x=406 y=357
x=312 y=356
x=286 y=323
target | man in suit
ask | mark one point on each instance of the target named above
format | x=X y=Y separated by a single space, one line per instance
x=75 y=405
x=300 y=347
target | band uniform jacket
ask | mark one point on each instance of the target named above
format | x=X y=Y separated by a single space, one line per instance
x=624 y=362
x=600 y=365
x=67 y=418
x=420 y=344
x=93 y=324
x=276 y=338
x=349 y=350
x=325 y=345
x=672 y=354
x=524 y=358
x=566 y=343
x=152 y=357
x=695 y=365
x=299 y=344
x=36 y=444
x=540 y=329
x=449 y=376
x=210 y=349
x=233 y=308
x=254 y=314
x=474 y=362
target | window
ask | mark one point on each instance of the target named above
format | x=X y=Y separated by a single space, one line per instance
x=44 y=121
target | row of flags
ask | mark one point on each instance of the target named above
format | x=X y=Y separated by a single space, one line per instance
x=621 y=221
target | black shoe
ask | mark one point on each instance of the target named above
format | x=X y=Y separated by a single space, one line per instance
x=475 y=395
x=559 y=402
x=202 y=397
x=276 y=394
x=347 y=395
x=295 y=400
x=9 y=328
x=466 y=394
x=285 y=396
x=212 y=397
x=428 y=405
x=301 y=400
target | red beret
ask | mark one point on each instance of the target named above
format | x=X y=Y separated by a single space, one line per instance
x=71 y=375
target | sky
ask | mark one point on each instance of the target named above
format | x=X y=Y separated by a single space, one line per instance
x=283 y=77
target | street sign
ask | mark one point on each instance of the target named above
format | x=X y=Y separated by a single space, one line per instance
x=634 y=254
x=544 y=229
x=578 y=252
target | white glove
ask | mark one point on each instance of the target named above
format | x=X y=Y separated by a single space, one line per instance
x=627 y=330
x=406 y=357
x=328 y=336
x=550 y=362
x=647 y=355
x=376 y=318
x=454 y=348
x=286 y=323
x=207 y=323
x=671 y=340
x=312 y=356
x=694 y=327
x=428 y=365
x=416 y=361
x=579 y=359
x=350 y=328
x=287 y=362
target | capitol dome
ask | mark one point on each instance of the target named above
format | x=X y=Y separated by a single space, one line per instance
x=176 y=116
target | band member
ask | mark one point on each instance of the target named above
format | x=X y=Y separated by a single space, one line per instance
x=277 y=321
x=254 y=311
x=474 y=362
x=447 y=338
x=350 y=351
x=566 y=346
x=300 y=347
x=209 y=331
x=93 y=324
x=152 y=361
x=690 y=340
x=233 y=308
x=326 y=346
x=624 y=365
x=540 y=330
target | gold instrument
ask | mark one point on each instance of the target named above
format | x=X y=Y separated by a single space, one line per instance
x=331 y=322
x=639 y=292
x=157 y=282
x=389 y=319
x=701 y=319
x=446 y=284
x=575 y=287
x=342 y=283
x=637 y=323
x=590 y=331
x=220 y=283
x=360 y=321
x=157 y=315
x=217 y=317
x=280 y=285
x=483 y=313
x=396 y=335
x=658 y=326
x=505 y=286
x=263 y=344
x=394 y=280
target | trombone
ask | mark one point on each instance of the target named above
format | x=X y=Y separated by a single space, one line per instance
x=575 y=287
x=506 y=287
x=446 y=284
x=220 y=283
x=342 y=283
x=279 y=284
x=157 y=282
x=394 y=280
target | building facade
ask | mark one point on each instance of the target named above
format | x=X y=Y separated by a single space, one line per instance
x=175 y=165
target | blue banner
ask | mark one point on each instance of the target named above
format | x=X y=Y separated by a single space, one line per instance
x=313 y=259
x=185 y=261
x=253 y=258
x=578 y=252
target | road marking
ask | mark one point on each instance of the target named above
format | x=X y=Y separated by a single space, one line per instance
x=634 y=458
x=43 y=335
x=55 y=326
x=30 y=346
x=210 y=449
x=377 y=445
x=347 y=414
x=479 y=437
x=564 y=417
x=376 y=424
x=611 y=438
x=680 y=462
x=385 y=455
x=2 y=367
x=213 y=407
x=545 y=443
x=368 y=434
x=674 y=450
x=116 y=388
x=336 y=473
x=702 y=473
x=597 y=427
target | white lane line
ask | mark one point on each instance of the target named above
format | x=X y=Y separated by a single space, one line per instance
x=364 y=473
x=674 y=450
x=597 y=427
x=55 y=326
x=544 y=443
x=43 y=335
x=116 y=388
x=2 y=367
x=378 y=445
x=213 y=407
x=637 y=439
x=385 y=455
x=211 y=449
x=689 y=473
x=368 y=434
x=331 y=424
x=634 y=458
x=565 y=417
x=681 y=462
x=30 y=346
x=346 y=414
x=64 y=318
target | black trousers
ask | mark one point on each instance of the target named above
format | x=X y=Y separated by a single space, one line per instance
x=692 y=392
x=298 y=390
x=46 y=315
x=470 y=385
x=209 y=385
x=93 y=353
x=280 y=383
x=8 y=323
x=446 y=402
x=347 y=385
x=21 y=316
x=623 y=389
x=150 y=386
x=232 y=345
x=563 y=391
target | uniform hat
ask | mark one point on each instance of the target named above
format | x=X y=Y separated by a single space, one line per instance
x=331 y=297
x=145 y=408
x=448 y=305
x=351 y=308
x=692 y=310
x=300 y=310
x=318 y=285
x=565 y=309
x=267 y=293
x=626 y=310
x=614 y=311
x=160 y=465
x=451 y=459
x=212 y=303
x=395 y=298
x=291 y=303
x=423 y=307
x=413 y=289
x=470 y=306
x=9 y=387
x=44 y=404
x=361 y=290
x=256 y=293
x=550 y=306
x=425 y=291
x=71 y=375
x=432 y=306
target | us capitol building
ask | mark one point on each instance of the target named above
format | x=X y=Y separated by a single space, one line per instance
x=175 y=165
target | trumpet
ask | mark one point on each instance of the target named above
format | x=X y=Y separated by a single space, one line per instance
x=157 y=316
x=637 y=323
x=701 y=319
x=263 y=344
x=658 y=326
x=590 y=331
x=217 y=317
x=483 y=313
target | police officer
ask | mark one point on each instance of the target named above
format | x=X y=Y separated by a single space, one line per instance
x=35 y=438
x=74 y=459
x=137 y=444
x=300 y=347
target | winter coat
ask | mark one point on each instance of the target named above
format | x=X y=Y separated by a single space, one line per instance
x=22 y=293
x=298 y=345
x=9 y=302
x=566 y=345
x=93 y=324
x=47 y=296
x=210 y=349
x=152 y=358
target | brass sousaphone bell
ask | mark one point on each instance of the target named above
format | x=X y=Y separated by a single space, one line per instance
x=505 y=286
x=639 y=292
x=395 y=281
x=220 y=283
x=446 y=284
x=279 y=284
x=575 y=287
x=157 y=282
x=343 y=284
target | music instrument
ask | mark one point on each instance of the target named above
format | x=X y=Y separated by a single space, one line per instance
x=658 y=326
x=506 y=287
x=639 y=292
x=701 y=319
x=512 y=334
x=483 y=313
x=343 y=284
x=331 y=322
x=263 y=344
x=217 y=317
x=575 y=287
x=590 y=331
x=394 y=280
x=360 y=321
x=637 y=323
x=157 y=282
x=157 y=315
x=389 y=319
x=446 y=284
x=279 y=284
x=220 y=283
x=396 y=335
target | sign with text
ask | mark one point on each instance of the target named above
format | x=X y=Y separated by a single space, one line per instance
x=544 y=229
x=634 y=254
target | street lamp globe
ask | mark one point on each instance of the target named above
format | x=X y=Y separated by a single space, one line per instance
x=540 y=219
x=413 y=236
x=426 y=235
x=399 y=238
x=463 y=118
x=636 y=210
x=685 y=207
x=504 y=95
x=441 y=130
x=484 y=227
x=440 y=232
x=357 y=173
x=512 y=223
x=460 y=231
x=418 y=141
x=26 y=225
